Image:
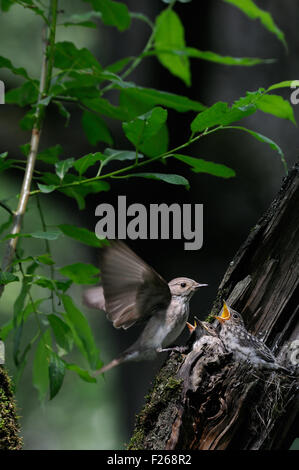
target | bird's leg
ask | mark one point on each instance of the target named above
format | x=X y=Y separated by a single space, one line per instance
x=178 y=349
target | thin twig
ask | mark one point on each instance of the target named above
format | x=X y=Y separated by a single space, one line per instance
x=135 y=62
x=45 y=81
x=99 y=177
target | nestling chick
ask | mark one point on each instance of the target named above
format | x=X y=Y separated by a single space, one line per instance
x=244 y=345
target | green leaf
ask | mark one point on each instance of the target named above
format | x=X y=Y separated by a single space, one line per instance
x=49 y=235
x=86 y=24
x=6 y=329
x=78 y=84
x=276 y=105
x=18 y=308
x=22 y=317
x=32 y=307
x=78 y=191
x=146 y=126
x=51 y=154
x=30 y=4
x=95 y=129
x=265 y=140
x=82 y=19
x=250 y=100
x=80 y=92
x=45 y=259
x=119 y=65
x=81 y=234
x=120 y=155
x=210 y=117
x=24 y=95
x=82 y=164
x=27 y=122
x=113 y=13
x=169 y=34
x=46 y=189
x=6 y=224
x=6 y=63
x=203 y=166
x=285 y=84
x=56 y=374
x=45 y=282
x=83 y=332
x=5 y=164
x=141 y=17
x=6 y=278
x=63 y=285
x=63 y=167
x=254 y=12
x=81 y=273
x=172 y=179
x=63 y=112
x=62 y=332
x=137 y=100
x=102 y=106
x=6 y=4
x=41 y=365
x=83 y=374
x=68 y=56
x=158 y=145
x=221 y=114
x=214 y=57
x=25 y=149
x=45 y=101
x=48 y=283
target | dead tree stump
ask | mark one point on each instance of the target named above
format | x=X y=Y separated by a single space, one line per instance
x=206 y=400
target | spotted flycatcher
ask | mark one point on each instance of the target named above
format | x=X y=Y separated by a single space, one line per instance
x=132 y=292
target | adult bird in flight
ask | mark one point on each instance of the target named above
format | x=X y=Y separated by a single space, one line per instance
x=133 y=292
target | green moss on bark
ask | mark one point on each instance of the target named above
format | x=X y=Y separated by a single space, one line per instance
x=160 y=404
x=9 y=427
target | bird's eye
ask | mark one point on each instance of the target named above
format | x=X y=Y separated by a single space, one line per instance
x=183 y=284
x=235 y=315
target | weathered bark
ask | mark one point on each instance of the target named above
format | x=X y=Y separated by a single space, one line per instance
x=9 y=427
x=206 y=400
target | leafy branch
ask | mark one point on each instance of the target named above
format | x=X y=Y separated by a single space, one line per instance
x=45 y=80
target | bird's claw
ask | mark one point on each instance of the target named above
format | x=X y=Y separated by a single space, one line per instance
x=178 y=349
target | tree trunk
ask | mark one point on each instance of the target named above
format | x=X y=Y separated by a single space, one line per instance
x=206 y=400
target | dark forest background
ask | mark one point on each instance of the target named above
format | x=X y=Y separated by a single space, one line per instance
x=102 y=416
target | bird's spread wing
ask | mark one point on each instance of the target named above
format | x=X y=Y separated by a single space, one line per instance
x=133 y=291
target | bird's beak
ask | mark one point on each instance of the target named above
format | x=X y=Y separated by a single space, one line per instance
x=225 y=315
x=190 y=327
x=197 y=285
x=198 y=322
x=203 y=326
